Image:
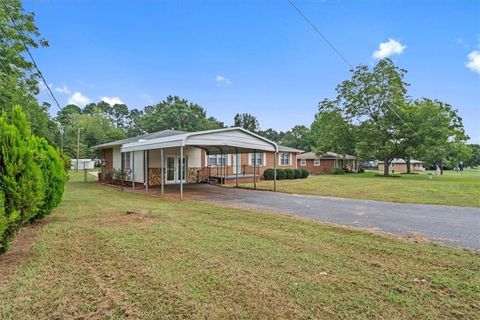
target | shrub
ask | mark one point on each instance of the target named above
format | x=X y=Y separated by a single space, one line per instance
x=290 y=174
x=268 y=174
x=54 y=175
x=298 y=173
x=338 y=170
x=20 y=176
x=31 y=175
x=281 y=175
x=360 y=170
x=108 y=176
x=3 y=217
x=305 y=173
x=121 y=175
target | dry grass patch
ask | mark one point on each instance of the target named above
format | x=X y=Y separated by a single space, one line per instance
x=451 y=189
x=195 y=260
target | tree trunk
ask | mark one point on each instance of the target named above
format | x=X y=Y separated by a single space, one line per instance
x=407 y=160
x=386 y=166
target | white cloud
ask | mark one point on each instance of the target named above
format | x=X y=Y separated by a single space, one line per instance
x=221 y=80
x=112 y=100
x=63 y=89
x=78 y=99
x=386 y=49
x=148 y=98
x=474 y=61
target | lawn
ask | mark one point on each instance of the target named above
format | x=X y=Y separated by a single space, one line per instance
x=450 y=189
x=91 y=260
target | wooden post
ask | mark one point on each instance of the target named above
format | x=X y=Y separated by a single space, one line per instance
x=181 y=172
x=162 y=188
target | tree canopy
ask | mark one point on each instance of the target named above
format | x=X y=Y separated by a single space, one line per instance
x=18 y=76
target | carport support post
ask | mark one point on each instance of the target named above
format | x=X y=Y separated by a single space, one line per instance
x=236 y=167
x=162 y=188
x=145 y=169
x=255 y=169
x=133 y=170
x=182 y=167
x=275 y=157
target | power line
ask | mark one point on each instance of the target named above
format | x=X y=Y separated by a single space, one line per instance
x=321 y=35
x=340 y=54
x=30 y=55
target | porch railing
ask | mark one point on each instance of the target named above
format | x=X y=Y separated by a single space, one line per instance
x=220 y=173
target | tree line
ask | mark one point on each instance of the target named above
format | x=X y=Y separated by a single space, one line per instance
x=372 y=115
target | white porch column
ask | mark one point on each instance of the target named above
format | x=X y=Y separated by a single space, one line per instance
x=145 y=169
x=236 y=167
x=255 y=169
x=182 y=167
x=275 y=157
x=133 y=169
x=161 y=172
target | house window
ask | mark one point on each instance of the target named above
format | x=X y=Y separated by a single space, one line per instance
x=303 y=162
x=284 y=159
x=316 y=162
x=259 y=160
x=217 y=160
x=125 y=161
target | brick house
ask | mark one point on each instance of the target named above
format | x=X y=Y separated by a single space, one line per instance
x=400 y=165
x=325 y=163
x=225 y=155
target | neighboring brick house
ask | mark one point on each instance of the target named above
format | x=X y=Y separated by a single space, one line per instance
x=325 y=163
x=400 y=165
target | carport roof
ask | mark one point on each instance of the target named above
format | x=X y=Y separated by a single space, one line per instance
x=148 y=136
x=227 y=140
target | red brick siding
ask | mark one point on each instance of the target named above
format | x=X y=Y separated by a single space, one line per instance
x=326 y=166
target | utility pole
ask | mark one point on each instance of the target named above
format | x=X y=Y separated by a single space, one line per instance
x=78 y=147
x=62 y=133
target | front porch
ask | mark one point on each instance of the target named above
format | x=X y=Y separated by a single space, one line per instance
x=181 y=160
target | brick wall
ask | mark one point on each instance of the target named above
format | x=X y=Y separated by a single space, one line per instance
x=326 y=166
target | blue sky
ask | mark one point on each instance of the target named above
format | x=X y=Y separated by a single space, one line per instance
x=255 y=56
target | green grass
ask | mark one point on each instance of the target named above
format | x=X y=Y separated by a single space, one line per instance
x=450 y=189
x=195 y=260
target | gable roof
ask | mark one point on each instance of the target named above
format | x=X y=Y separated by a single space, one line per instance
x=288 y=149
x=148 y=136
x=172 y=136
x=218 y=141
x=327 y=155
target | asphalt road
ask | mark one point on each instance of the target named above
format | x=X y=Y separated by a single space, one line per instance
x=448 y=225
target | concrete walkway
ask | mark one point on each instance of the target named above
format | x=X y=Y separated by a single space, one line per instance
x=452 y=226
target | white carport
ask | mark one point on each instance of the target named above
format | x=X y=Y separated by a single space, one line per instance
x=214 y=142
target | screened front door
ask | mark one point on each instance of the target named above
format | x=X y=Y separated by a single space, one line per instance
x=173 y=169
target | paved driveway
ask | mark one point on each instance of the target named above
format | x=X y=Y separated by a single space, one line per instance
x=452 y=226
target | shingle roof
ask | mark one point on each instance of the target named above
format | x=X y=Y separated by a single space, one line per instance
x=148 y=136
x=288 y=149
x=327 y=155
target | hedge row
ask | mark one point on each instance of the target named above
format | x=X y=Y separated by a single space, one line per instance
x=286 y=174
x=32 y=175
